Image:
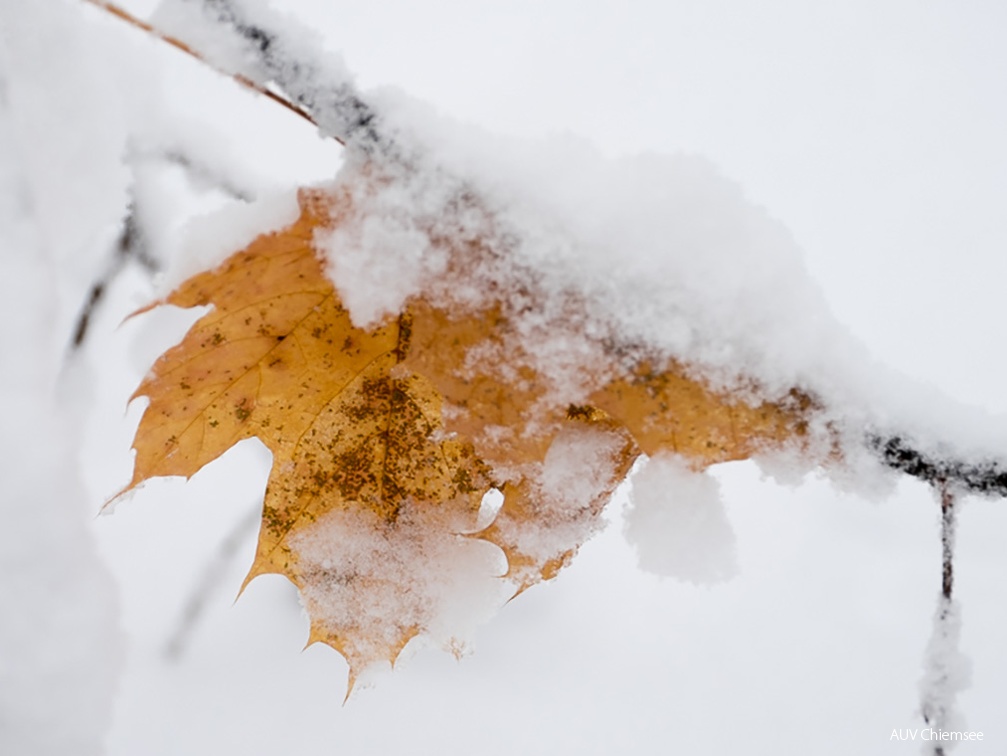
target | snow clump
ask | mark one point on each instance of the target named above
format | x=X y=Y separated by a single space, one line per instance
x=677 y=523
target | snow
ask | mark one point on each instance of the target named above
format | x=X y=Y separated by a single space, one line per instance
x=840 y=153
x=381 y=255
x=661 y=254
x=206 y=239
x=665 y=250
x=946 y=670
x=677 y=523
x=566 y=494
x=291 y=57
x=60 y=639
x=419 y=573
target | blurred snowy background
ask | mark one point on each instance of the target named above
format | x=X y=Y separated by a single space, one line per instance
x=873 y=131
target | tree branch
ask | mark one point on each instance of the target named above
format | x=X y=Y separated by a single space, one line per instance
x=311 y=84
x=988 y=477
x=130 y=245
x=327 y=93
x=297 y=75
x=209 y=581
x=138 y=23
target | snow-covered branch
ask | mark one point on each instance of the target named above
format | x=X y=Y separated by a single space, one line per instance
x=987 y=477
x=263 y=51
x=281 y=59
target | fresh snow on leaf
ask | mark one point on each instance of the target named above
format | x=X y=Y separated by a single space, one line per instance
x=677 y=523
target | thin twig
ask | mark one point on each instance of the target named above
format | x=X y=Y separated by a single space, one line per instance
x=132 y=246
x=196 y=170
x=329 y=96
x=209 y=580
x=129 y=246
x=138 y=23
x=947 y=540
x=942 y=677
x=947 y=558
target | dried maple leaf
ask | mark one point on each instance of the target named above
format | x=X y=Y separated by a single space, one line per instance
x=386 y=439
x=556 y=506
x=669 y=410
x=279 y=359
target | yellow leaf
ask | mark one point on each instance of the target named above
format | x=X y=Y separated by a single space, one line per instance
x=385 y=440
x=669 y=410
x=493 y=394
x=279 y=359
x=557 y=505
